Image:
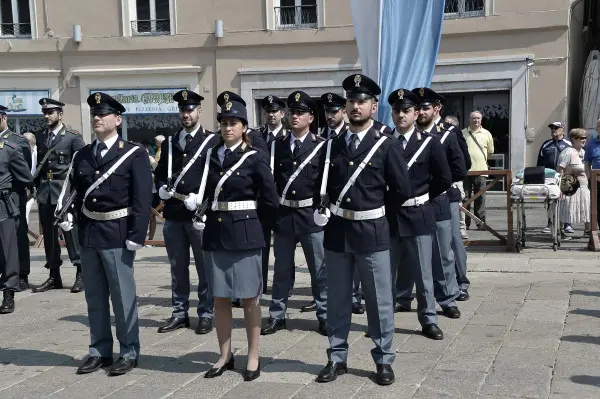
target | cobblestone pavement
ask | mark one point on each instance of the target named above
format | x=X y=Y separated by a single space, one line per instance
x=530 y=329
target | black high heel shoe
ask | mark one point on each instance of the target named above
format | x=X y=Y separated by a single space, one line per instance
x=251 y=375
x=216 y=372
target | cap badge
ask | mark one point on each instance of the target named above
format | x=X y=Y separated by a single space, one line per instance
x=422 y=92
x=98 y=98
x=228 y=106
x=329 y=97
x=357 y=79
x=226 y=97
x=270 y=99
x=297 y=97
x=185 y=95
x=401 y=94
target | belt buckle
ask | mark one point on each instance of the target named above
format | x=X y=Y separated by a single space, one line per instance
x=348 y=215
x=295 y=204
x=221 y=206
x=49 y=176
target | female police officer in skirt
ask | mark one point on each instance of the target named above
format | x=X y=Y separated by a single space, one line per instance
x=238 y=176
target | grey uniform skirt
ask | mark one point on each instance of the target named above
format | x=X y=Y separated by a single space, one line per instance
x=235 y=274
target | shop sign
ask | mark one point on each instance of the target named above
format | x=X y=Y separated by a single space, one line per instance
x=24 y=102
x=145 y=101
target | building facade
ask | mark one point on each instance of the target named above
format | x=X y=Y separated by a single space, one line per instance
x=511 y=59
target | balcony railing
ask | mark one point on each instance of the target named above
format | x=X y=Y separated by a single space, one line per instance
x=464 y=9
x=300 y=17
x=15 y=30
x=155 y=27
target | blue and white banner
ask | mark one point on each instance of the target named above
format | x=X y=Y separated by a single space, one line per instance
x=398 y=43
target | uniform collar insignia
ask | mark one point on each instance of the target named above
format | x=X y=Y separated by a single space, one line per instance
x=121 y=144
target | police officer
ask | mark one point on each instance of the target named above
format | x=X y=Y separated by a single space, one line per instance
x=297 y=157
x=20 y=197
x=15 y=173
x=335 y=114
x=115 y=210
x=185 y=151
x=444 y=272
x=255 y=136
x=361 y=165
x=413 y=221
x=274 y=108
x=56 y=146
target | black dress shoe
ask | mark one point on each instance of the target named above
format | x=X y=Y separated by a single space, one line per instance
x=251 y=375
x=174 y=323
x=78 y=284
x=122 y=366
x=8 y=302
x=433 y=331
x=94 y=363
x=23 y=283
x=205 y=325
x=54 y=282
x=272 y=326
x=217 y=371
x=331 y=371
x=309 y=308
x=385 y=374
x=451 y=312
x=322 y=328
x=358 y=308
x=463 y=296
x=401 y=308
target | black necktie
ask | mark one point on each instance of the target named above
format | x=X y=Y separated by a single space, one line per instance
x=226 y=154
x=270 y=137
x=49 y=139
x=99 y=148
x=403 y=141
x=297 y=144
x=353 y=141
x=188 y=140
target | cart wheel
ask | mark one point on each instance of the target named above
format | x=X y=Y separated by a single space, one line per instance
x=555 y=246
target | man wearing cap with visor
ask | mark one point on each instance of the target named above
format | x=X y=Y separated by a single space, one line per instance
x=363 y=167
x=56 y=146
x=297 y=157
x=185 y=153
x=113 y=181
x=548 y=155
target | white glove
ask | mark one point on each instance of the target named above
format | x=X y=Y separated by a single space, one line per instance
x=199 y=226
x=67 y=225
x=321 y=219
x=132 y=246
x=190 y=202
x=163 y=193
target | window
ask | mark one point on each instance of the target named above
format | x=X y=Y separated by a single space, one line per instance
x=151 y=17
x=15 y=18
x=464 y=8
x=296 y=14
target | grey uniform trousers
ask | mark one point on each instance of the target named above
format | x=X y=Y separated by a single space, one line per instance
x=284 y=247
x=179 y=237
x=375 y=276
x=458 y=248
x=411 y=260
x=109 y=272
x=444 y=273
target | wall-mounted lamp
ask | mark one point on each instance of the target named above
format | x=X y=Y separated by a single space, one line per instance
x=77 y=33
x=529 y=62
x=219 y=28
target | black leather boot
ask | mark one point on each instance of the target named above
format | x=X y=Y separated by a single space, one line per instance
x=53 y=282
x=78 y=284
x=8 y=302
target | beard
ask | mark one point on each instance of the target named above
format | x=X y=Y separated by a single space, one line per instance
x=358 y=120
x=424 y=121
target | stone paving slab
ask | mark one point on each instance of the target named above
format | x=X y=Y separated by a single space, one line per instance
x=531 y=329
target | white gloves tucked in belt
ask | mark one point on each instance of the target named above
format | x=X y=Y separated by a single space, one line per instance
x=132 y=246
x=67 y=225
x=320 y=218
x=164 y=194
x=190 y=202
x=200 y=225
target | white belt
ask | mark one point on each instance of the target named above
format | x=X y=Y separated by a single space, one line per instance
x=296 y=204
x=103 y=216
x=233 y=206
x=416 y=201
x=358 y=215
x=179 y=196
